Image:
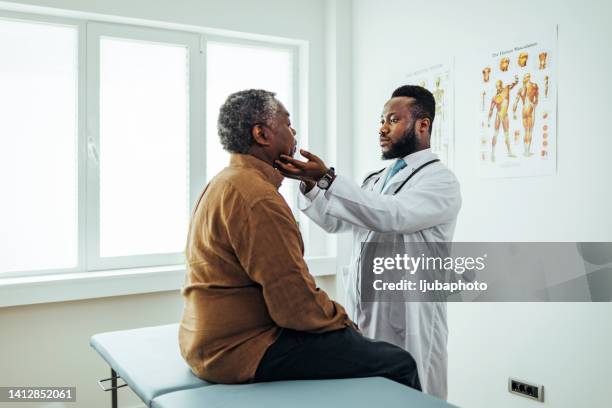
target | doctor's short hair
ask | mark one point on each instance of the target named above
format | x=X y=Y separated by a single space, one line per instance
x=239 y=113
x=424 y=105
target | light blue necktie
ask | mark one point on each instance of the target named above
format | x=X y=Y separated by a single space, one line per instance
x=399 y=164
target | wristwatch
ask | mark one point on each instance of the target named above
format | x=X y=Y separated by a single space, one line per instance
x=325 y=181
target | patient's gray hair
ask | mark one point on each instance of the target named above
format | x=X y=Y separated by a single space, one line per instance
x=239 y=113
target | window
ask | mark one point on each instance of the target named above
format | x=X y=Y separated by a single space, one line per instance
x=38 y=151
x=143 y=147
x=233 y=67
x=139 y=101
x=105 y=146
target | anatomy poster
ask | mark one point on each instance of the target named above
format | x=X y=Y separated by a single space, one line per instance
x=439 y=81
x=518 y=106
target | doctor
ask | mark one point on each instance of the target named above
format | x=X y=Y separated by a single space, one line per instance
x=415 y=198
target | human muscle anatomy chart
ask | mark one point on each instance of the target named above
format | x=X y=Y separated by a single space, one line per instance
x=438 y=80
x=528 y=95
x=500 y=102
x=518 y=106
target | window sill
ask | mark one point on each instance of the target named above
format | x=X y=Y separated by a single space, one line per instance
x=118 y=282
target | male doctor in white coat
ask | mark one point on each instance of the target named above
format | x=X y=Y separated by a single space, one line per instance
x=415 y=198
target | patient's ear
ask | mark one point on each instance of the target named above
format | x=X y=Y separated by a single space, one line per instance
x=260 y=135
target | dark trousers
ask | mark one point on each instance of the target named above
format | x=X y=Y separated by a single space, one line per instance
x=343 y=353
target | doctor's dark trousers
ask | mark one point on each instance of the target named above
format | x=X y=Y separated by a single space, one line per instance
x=344 y=353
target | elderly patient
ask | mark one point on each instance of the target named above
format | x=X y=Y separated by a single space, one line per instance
x=252 y=310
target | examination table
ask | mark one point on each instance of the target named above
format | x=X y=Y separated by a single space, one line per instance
x=149 y=362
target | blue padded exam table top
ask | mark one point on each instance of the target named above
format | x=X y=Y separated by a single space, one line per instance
x=355 y=393
x=149 y=361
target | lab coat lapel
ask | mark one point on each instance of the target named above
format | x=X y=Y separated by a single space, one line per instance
x=413 y=161
x=396 y=179
x=381 y=181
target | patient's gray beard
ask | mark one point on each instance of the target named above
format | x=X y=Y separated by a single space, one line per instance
x=405 y=146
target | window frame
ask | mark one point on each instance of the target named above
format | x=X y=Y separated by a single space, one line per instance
x=95 y=32
x=79 y=26
x=89 y=31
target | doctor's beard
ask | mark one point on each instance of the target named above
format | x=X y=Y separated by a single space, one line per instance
x=403 y=147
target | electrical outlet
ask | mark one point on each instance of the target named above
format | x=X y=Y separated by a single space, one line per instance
x=526 y=389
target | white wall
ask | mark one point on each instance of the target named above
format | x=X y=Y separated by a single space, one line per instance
x=566 y=347
x=339 y=96
x=48 y=344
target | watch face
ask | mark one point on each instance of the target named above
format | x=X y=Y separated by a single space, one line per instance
x=323 y=183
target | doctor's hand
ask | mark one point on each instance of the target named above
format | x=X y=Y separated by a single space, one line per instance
x=310 y=171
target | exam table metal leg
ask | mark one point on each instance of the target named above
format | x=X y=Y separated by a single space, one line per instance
x=114 y=389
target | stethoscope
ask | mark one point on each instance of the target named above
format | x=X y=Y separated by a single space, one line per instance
x=421 y=167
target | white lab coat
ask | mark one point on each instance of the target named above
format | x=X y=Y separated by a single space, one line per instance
x=424 y=210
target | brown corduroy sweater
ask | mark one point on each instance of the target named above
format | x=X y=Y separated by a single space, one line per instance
x=246 y=275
